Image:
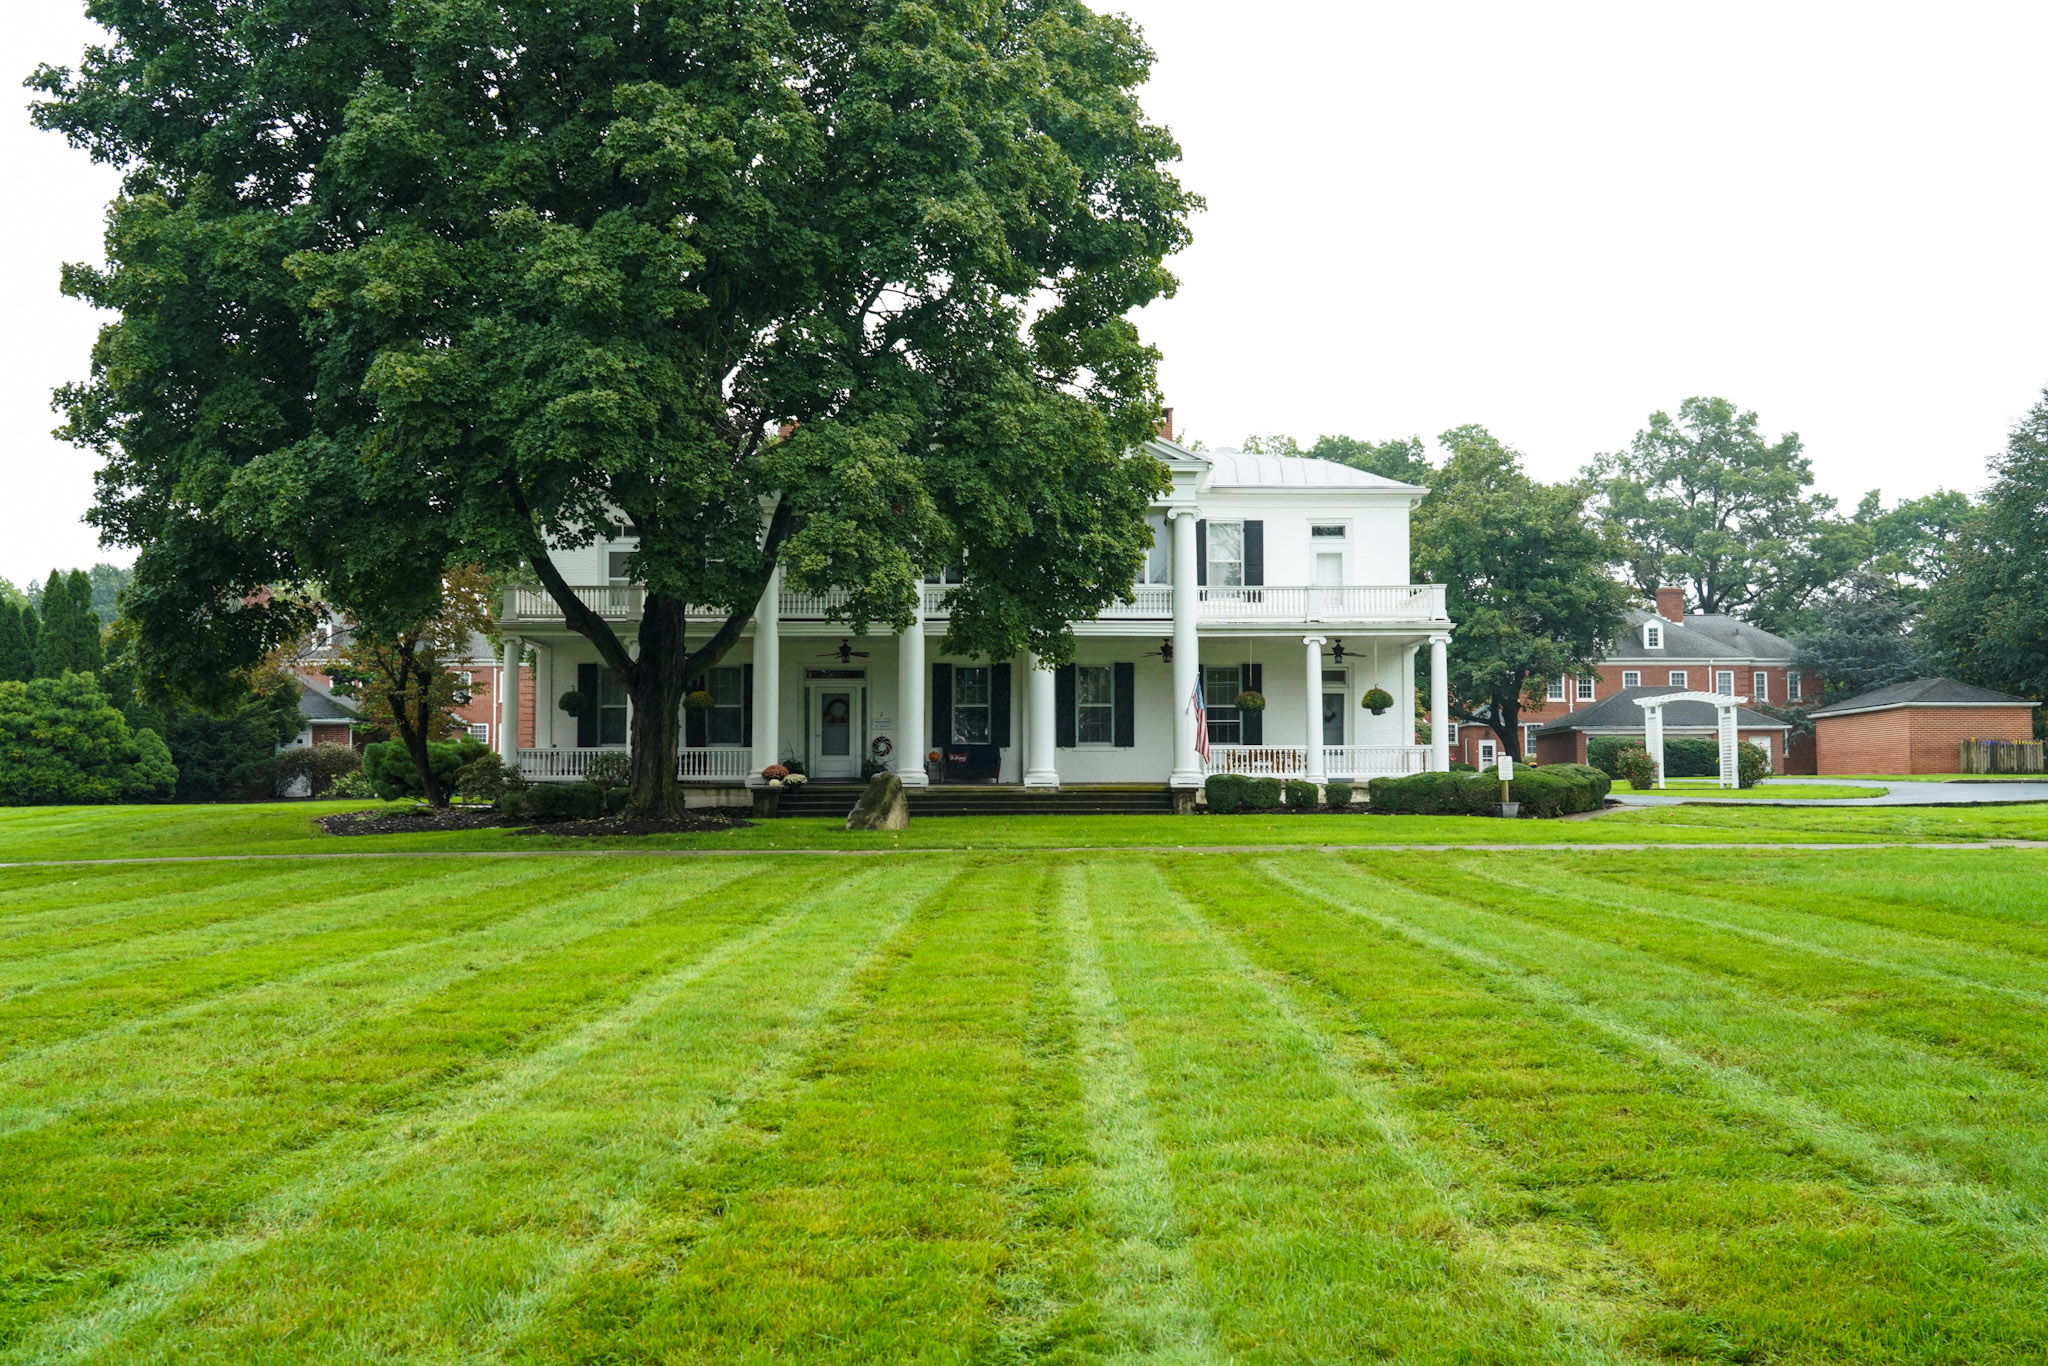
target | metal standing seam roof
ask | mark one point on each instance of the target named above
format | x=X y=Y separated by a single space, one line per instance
x=1242 y=469
x=1924 y=692
x=1618 y=711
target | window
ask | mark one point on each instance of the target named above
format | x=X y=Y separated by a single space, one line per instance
x=1631 y=678
x=1326 y=531
x=1095 y=704
x=1678 y=678
x=1724 y=682
x=1792 y=686
x=1557 y=689
x=1159 y=559
x=970 y=705
x=611 y=709
x=1585 y=690
x=1653 y=636
x=1220 y=687
x=725 y=723
x=480 y=731
x=1759 y=686
x=1451 y=733
x=1226 y=555
x=615 y=572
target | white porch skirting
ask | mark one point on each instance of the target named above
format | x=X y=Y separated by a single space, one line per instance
x=1339 y=761
x=692 y=765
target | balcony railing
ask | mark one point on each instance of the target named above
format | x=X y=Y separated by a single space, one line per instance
x=1364 y=603
x=1339 y=761
x=731 y=765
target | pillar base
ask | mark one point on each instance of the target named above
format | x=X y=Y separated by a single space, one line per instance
x=1186 y=777
x=1042 y=777
x=916 y=777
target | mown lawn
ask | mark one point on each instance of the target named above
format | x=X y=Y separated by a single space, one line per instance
x=1284 y=1106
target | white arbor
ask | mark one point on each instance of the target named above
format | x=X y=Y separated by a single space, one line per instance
x=1724 y=707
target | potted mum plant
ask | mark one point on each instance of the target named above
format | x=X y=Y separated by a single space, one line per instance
x=1376 y=701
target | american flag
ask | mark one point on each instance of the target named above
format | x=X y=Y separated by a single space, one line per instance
x=1201 y=724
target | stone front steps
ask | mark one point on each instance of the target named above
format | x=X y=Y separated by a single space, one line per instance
x=836 y=800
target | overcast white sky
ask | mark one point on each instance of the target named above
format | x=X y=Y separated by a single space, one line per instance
x=1547 y=219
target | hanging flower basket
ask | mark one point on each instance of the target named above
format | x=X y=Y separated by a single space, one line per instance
x=572 y=702
x=700 y=700
x=1251 y=701
x=1376 y=701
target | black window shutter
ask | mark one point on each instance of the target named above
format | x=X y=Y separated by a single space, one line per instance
x=1201 y=551
x=693 y=721
x=747 y=705
x=1255 y=553
x=942 y=705
x=999 y=705
x=1254 y=721
x=1063 y=707
x=586 y=722
x=1126 y=705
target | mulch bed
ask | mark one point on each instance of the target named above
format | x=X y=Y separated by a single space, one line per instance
x=425 y=819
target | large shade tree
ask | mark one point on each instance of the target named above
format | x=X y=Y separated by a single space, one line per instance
x=1525 y=566
x=407 y=286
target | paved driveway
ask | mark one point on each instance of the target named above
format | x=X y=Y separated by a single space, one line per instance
x=1782 y=791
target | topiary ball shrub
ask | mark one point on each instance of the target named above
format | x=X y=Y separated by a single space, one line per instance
x=1376 y=700
x=1337 y=794
x=1262 y=794
x=1301 y=796
x=1224 y=793
x=613 y=768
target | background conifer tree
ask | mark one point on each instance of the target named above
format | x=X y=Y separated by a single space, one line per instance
x=17 y=661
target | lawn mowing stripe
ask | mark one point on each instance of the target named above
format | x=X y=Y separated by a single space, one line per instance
x=547 y=1162
x=1612 y=997
x=35 y=900
x=1879 y=950
x=1320 y=1227
x=1760 y=1246
x=167 y=1168
x=862 y=1215
x=1152 y=1304
x=259 y=1028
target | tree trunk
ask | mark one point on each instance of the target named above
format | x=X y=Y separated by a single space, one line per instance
x=412 y=730
x=657 y=683
x=1508 y=725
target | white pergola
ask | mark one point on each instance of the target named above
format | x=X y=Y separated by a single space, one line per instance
x=1724 y=707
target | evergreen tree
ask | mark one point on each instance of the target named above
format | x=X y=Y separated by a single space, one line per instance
x=17 y=661
x=86 y=654
x=31 y=634
x=53 y=647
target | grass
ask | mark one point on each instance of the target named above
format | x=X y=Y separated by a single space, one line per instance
x=1281 y=1106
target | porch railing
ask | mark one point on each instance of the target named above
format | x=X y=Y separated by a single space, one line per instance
x=692 y=765
x=1339 y=761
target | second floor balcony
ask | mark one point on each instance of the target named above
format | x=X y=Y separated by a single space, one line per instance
x=1261 y=604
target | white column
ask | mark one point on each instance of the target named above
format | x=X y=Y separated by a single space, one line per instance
x=1653 y=738
x=1313 y=697
x=910 y=728
x=768 y=678
x=1041 y=725
x=1187 y=652
x=1439 y=704
x=1727 y=740
x=508 y=701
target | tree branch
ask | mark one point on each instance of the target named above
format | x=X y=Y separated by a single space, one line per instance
x=780 y=523
x=575 y=612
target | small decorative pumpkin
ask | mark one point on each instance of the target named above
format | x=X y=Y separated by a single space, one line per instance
x=1249 y=700
x=700 y=700
x=1376 y=701
x=572 y=702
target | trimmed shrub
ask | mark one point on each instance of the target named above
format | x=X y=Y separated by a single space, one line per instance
x=63 y=743
x=1460 y=766
x=487 y=779
x=351 y=787
x=1752 y=765
x=1337 y=794
x=1685 y=756
x=155 y=777
x=1602 y=784
x=390 y=771
x=318 y=764
x=1557 y=790
x=1638 y=768
x=562 y=802
x=616 y=800
x=1224 y=792
x=1301 y=795
x=1262 y=794
x=1419 y=794
x=613 y=768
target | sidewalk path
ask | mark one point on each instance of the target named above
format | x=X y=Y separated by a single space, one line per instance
x=1896 y=794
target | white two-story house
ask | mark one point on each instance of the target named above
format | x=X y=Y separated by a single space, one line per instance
x=1273 y=574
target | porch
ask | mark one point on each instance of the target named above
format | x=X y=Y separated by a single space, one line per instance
x=1346 y=763
x=724 y=766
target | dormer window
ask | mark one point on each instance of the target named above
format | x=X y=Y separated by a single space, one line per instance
x=1653 y=635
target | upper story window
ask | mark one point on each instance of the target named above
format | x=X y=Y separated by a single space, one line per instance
x=1760 y=686
x=1631 y=678
x=1226 y=554
x=1095 y=704
x=1678 y=678
x=1653 y=636
x=1585 y=690
x=1556 y=693
x=955 y=572
x=1724 y=682
x=1792 y=686
x=1159 y=558
x=725 y=723
x=615 y=566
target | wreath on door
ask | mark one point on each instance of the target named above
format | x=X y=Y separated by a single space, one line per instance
x=838 y=712
x=881 y=748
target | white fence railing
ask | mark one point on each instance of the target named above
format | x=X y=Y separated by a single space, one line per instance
x=731 y=765
x=1151 y=602
x=1339 y=761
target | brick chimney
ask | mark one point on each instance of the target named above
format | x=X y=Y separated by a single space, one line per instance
x=1166 y=426
x=1671 y=604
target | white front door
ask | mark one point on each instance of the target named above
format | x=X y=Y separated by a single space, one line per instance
x=838 y=722
x=1487 y=753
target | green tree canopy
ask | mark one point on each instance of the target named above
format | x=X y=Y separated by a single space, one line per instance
x=1909 y=542
x=62 y=742
x=403 y=287
x=1705 y=502
x=1404 y=458
x=1861 y=638
x=1526 y=570
x=17 y=657
x=107 y=582
x=10 y=595
x=1987 y=619
x=69 y=639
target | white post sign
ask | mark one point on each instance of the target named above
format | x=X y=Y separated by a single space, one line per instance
x=1506 y=767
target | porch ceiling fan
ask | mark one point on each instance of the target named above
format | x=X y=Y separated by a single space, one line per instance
x=845 y=654
x=1337 y=650
x=1165 y=650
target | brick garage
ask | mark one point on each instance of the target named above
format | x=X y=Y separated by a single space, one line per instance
x=1916 y=727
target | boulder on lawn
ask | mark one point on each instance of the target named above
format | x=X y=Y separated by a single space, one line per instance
x=882 y=807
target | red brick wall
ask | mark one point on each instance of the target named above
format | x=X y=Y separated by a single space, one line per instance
x=528 y=682
x=1914 y=739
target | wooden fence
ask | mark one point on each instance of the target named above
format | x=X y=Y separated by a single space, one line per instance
x=2002 y=756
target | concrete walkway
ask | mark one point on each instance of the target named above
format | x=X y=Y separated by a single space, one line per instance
x=1781 y=792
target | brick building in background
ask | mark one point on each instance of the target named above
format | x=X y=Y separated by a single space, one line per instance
x=1917 y=727
x=1664 y=648
x=329 y=718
